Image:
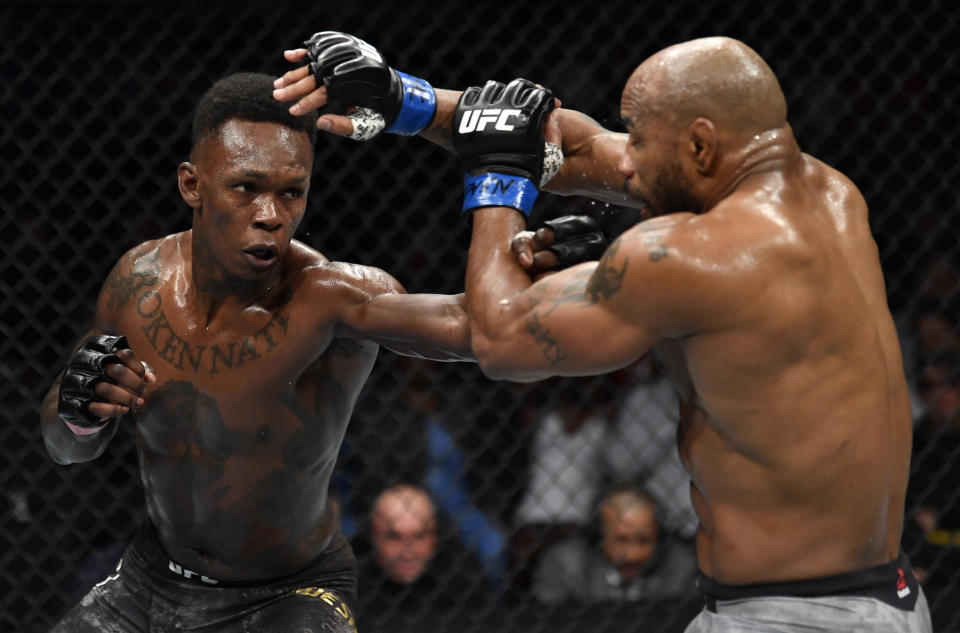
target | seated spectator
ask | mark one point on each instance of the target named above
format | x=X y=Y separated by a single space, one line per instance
x=632 y=561
x=932 y=529
x=565 y=470
x=407 y=569
x=642 y=447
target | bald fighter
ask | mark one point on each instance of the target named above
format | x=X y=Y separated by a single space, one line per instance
x=756 y=283
x=237 y=352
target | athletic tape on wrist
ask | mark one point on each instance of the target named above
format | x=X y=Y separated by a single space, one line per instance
x=367 y=123
x=499 y=190
x=552 y=162
x=417 y=107
x=84 y=430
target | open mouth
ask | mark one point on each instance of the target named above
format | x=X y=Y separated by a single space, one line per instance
x=264 y=254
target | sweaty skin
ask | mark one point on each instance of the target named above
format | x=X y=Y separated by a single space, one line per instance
x=758 y=288
x=260 y=347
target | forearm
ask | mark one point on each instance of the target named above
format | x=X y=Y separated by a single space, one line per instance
x=63 y=446
x=592 y=156
x=441 y=127
x=429 y=326
x=496 y=296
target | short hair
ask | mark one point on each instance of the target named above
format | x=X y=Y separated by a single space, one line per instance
x=248 y=97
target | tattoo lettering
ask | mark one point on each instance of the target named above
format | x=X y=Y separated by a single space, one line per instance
x=549 y=346
x=606 y=279
x=175 y=350
x=144 y=272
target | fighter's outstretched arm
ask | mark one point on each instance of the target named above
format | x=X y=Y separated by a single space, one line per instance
x=591 y=153
x=378 y=309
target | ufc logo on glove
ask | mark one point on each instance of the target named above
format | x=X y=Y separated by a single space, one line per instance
x=477 y=120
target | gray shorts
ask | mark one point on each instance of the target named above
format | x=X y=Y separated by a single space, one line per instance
x=881 y=599
x=784 y=614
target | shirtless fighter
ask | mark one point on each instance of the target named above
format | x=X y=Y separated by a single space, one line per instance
x=757 y=285
x=238 y=353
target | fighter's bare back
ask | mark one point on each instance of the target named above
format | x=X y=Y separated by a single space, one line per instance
x=795 y=419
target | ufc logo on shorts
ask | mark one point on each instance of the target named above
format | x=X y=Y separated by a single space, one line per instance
x=368 y=51
x=477 y=120
x=186 y=573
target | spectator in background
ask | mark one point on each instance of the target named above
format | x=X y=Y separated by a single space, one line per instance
x=565 y=474
x=934 y=328
x=408 y=569
x=932 y=530
x=633 y=560
x=929 y=323
x=642 y=446
x=415 y=440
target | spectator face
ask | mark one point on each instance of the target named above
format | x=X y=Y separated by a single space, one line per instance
x=941 y=395
x=935 y=333
x=630 y=536
x=404 y=534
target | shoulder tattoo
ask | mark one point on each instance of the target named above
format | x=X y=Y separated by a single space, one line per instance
x=126 y=283
x=607 y=279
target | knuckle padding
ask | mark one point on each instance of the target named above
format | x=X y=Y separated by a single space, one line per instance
x=580 y=249
x=85 y=369
x=567 y=226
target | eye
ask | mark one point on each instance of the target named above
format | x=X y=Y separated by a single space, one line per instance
x=293 y=193
x=244 y=187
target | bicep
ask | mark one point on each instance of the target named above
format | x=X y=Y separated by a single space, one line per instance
x=571 y=323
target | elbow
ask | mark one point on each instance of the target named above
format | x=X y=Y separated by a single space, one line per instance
x=496 y=360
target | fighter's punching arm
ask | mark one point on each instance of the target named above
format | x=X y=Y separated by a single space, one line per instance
x=344 y=71
x=102 y=382
x=377 y=308
x=592 y=318
x=589 y=319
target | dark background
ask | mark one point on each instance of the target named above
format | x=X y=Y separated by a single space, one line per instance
x=96 y=107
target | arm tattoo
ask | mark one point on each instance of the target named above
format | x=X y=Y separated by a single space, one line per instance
x=551 y=349
x=657 y=250
x=585 y=287
x=606 y=279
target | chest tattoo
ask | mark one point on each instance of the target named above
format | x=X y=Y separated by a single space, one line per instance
x=172 y=347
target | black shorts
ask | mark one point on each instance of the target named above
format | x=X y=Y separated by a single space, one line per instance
x=892 y=583
x=150 y=593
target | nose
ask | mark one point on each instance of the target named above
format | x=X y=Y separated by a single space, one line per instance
x=625 y=166
x=267 y=217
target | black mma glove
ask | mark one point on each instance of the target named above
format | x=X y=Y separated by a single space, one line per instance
x=86 y=369
x=576 y=239
x=356 y=75
x=498 y=133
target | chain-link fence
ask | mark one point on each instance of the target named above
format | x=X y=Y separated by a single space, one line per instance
x=96 y=107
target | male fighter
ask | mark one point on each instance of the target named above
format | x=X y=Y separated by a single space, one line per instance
x=758 y=287
x=238 y=353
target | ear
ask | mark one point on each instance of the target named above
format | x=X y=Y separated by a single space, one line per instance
x=703 y=145
x=189 y=184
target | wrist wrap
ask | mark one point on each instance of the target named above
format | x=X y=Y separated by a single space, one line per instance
x=494 y=189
